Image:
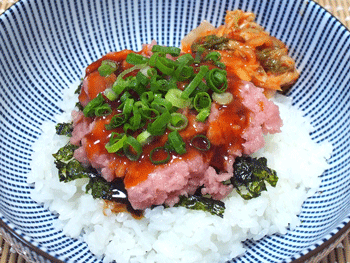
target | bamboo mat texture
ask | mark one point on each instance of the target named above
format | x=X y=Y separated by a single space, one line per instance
x=338 y=252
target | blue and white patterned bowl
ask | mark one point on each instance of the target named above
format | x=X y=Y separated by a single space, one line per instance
x=46 y=44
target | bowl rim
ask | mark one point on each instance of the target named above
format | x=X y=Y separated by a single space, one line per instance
x=32 y=253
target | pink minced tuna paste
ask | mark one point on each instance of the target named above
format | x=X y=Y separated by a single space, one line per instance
x=166 y=184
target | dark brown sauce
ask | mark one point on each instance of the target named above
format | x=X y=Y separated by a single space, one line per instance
x=119 y=207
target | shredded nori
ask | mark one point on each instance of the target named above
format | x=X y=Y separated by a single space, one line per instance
x=69 y=168
x=250 y=175
x=199 y=202
x=64 y=129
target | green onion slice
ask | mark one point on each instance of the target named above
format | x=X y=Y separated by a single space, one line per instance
x=107 y=68
x=200 y=142
x=109 y=93
x=217 y=80
x=120 y=84
x=158 y=126
x=155 y=151
x=128 y=107
x=186 y=59
x=161 y=105
x=183 y=72
x=165 y=65
x=153 y=59
x=195 y=82
x=145 y=111
x=103 y=110
x=178 y=122
x=220 y=65
x=203 y=115
x=136 y=59
x=177 y=142
x=116 y=121
x=142 y=79
x=174 y=97
x=132 y=148
x=126 y=95
x=135 y=121
x=144 y=137
x=202 y=101
x=147 y=97
x=97 y=107
x=116 y=142
x=213 y=56
x=174 y=51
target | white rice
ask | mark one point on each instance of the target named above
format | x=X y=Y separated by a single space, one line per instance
x=178 y=234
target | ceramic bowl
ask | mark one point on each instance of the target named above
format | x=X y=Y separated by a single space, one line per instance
x=46 y=44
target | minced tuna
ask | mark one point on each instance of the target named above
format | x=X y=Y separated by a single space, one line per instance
x=233 y=129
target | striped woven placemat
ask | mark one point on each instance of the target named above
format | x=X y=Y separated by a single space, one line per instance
x=338 y=251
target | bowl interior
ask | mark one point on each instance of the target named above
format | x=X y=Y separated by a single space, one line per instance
x=46 y=45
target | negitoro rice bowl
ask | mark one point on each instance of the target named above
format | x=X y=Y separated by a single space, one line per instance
x=282 y=224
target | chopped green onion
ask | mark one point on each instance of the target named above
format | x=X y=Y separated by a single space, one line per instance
x=116 y=142
x=142 y=79
x=178 y=121
x=158 y=126
x=203 y=115
x=109 y=93
x=161 y=105
x=135 y=121
x=126 y=95
x=120 y=84
x=172 y=83
x=151 y=72
x=174 y=97
x=183 y=72
x=128 y=107
x=155 y=151
x=223 y=98
x=174 y=51
x=153 y=59
x=116 y=121
x=136 y=59
x=186 y=59
x=147 y=97
x=177 y=142
x=161 y=85
x=144 y=137
x=213 y=56
x=200 y=142
x=165 y=65
x=145 y=110
x=202 y=101
x=132 y=148
x=103 y=110
x=195 y=82
x=217 y=80
x=220 y=65
x=107 y=68
x=202 y=87
x=97 y=107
